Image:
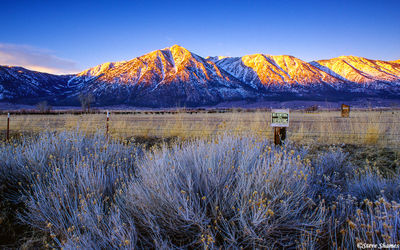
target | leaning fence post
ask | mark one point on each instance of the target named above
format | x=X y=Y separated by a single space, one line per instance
x=279 y=121
x=108 y=119
x=345 y=110
x=8 y=127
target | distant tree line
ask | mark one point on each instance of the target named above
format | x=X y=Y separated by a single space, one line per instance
x=43 y=107
x=86 y=100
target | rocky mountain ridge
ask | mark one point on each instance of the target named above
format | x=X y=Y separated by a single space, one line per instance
x=174 y=76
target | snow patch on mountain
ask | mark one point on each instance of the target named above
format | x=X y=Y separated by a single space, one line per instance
x=175 y=76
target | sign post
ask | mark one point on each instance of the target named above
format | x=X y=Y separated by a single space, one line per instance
x=345 y=110
x=108 y=119
x=8 y=127
x=279 y=121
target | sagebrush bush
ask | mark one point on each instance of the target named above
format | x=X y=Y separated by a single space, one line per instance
x=68 y=182
x=332 y=172
x=352 y=221
x=229 y=192
x=373 y=186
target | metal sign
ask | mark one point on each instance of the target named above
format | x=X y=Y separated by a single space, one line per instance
x=280 y=118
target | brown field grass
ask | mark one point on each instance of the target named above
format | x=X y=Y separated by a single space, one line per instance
x=362 y=127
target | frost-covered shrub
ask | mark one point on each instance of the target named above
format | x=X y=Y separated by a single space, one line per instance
x=331 y=173
x=232 y=192
x=22 y=163
x=68 y=182
x=373 y=186
x=352 y=222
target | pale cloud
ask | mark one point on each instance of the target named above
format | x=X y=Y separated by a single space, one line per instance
x=35 y=59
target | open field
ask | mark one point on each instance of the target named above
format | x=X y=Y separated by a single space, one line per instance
x=380 y=128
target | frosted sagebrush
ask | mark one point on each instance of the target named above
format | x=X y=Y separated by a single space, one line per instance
x=373 y=186
x=229 y=192
x=68 y=182
x=332 y=172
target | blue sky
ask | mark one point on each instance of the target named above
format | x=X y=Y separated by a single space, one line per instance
x=69 y=36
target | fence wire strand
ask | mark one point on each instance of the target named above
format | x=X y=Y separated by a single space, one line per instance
x=160 y=122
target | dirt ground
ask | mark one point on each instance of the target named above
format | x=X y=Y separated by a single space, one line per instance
x=387 y=160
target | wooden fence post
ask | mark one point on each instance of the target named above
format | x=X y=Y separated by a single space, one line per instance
x=279 y=121
x=279 y=135
x=345 y=110
x=108 y=119
x=8 y=127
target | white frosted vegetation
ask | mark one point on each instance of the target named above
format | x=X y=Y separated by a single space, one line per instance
x=229 y=192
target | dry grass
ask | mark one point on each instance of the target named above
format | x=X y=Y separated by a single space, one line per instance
x=363 y=127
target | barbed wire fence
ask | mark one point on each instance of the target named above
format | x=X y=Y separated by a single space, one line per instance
x=386 y=131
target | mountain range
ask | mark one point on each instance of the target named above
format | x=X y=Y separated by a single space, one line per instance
x=174 y=76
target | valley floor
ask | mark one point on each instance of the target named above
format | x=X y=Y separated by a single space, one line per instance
x=364 y=103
